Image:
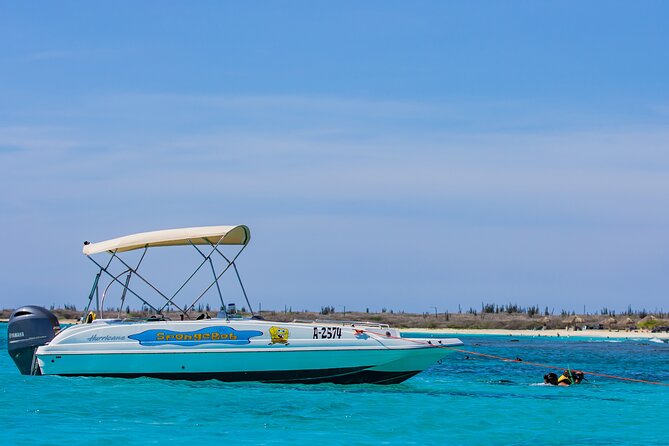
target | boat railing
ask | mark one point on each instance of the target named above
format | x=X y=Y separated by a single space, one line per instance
x=343 y=322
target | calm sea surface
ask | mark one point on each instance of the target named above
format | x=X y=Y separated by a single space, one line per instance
x=460 y=401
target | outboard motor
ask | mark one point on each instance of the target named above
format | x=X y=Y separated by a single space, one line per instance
x=28 y=328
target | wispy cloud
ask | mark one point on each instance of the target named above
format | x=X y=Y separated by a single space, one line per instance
x=132 y=148
x=499 y=201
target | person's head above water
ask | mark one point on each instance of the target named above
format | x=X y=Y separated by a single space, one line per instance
x=551 y=379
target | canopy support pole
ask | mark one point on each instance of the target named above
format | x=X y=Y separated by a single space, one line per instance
x=234 y=265
x=216 y=278
x=125 y=290
x=213 y=271
x=97 y=302
x=169 y=300
x=127 y=282
x=121 y=283
x=218 y=287
x=104 y=293
x=93 y=290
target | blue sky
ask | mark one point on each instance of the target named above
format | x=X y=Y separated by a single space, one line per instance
x=385 y=154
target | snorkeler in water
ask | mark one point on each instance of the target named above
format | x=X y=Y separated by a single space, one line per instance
x=570 y=377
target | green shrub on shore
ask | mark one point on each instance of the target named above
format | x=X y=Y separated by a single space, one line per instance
x=649 y=324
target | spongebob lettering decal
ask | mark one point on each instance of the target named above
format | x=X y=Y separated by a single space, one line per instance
x=278 y=335
x=210 y=335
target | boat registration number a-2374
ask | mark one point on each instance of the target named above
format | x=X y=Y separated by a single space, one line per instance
x=327 y=333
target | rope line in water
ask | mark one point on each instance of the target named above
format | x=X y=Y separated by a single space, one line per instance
x=518 y=361
x=549 y=366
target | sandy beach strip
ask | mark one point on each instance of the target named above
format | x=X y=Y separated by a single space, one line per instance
x=617 y=334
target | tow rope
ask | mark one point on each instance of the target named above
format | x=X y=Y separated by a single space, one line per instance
x=518 y=360
x=548 y=366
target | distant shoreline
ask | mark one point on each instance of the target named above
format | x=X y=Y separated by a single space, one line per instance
x=611 y=334
x=521 y=324
x=604 y=334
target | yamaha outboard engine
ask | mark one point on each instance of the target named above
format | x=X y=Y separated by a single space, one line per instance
x=28 y=328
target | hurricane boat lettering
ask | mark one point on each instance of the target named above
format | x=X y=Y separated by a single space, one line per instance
x=105 y=338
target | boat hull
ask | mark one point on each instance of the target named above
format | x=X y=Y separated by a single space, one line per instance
x=352 y=355
x=334 y=376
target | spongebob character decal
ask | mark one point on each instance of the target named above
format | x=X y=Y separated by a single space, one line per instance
x=278 y=335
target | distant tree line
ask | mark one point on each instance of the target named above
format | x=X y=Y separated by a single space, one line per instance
x=486 y=308
x=489 y=308
x=65 y=307
x=508 y=309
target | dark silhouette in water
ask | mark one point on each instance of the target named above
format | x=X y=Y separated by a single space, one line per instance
x=551 y=379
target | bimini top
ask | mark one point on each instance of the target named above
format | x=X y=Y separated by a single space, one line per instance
x=204 y=235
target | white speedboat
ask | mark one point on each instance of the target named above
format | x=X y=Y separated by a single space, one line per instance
x=226 y=347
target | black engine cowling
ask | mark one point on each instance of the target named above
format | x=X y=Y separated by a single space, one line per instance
x=28 y=328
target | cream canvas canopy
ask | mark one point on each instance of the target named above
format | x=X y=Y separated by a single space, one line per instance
x=204 y=235
x=212 y=236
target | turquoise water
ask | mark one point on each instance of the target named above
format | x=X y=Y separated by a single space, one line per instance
x=457 y=402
